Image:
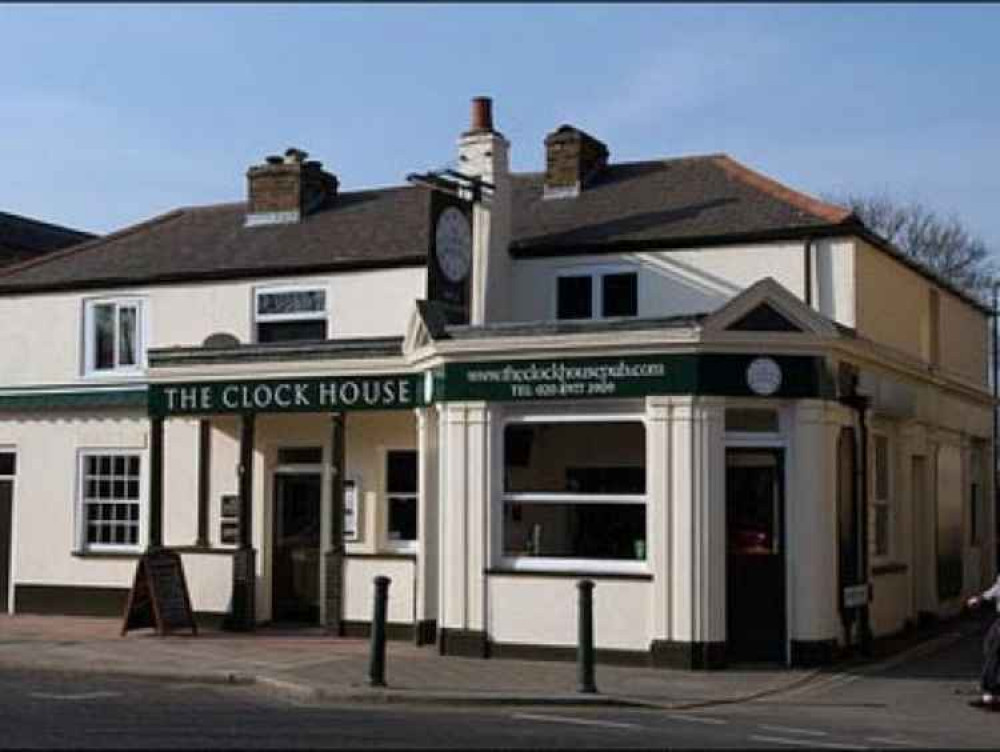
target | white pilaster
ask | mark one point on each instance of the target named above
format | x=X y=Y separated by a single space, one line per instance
x=658 y=513
x=811 y=518
x=427 y=553
x=463 y=504
x=698 y=522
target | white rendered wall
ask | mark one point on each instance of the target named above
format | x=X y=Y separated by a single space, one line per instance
x=670 y=282
x=541 y=610
x=50 y=349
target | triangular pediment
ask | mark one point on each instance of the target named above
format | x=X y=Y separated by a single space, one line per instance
x=768 y=307
x=763 y=318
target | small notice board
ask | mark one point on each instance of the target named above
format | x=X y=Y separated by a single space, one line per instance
x=159 y=597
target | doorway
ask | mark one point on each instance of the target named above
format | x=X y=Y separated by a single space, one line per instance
x=296 y=547
x=755 y=544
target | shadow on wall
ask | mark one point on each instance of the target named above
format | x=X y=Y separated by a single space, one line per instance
x=673 y=286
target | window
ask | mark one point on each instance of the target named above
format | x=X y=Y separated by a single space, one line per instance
x=401 y=496
x=113 y=338
x=882 y=502
x=605 y=293
x=574 y=491
x=291 y=314
x=751 y=420
x=110 y=488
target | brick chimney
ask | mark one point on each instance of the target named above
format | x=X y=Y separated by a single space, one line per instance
x=285 y=189
x=572 y=158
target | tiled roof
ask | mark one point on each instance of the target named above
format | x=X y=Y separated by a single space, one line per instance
x=678 y=201
x=22 y=238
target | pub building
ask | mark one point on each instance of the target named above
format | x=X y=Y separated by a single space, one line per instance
x=759 y=429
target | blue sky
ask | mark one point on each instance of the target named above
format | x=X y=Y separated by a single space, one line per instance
x=112 y=114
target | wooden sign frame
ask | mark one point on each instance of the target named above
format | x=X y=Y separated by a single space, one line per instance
x=159 y=597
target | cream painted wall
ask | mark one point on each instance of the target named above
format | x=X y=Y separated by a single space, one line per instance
x=361 y=304
x=46 y=497
x=359 y=588
x=670 y=282
x=543 y=610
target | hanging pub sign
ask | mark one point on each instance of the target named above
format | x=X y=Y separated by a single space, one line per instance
x=722 y=374
x=450 y=273
x=159 y=597
x=383 y=392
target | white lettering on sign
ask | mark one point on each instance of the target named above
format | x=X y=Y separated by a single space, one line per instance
x=342 y=393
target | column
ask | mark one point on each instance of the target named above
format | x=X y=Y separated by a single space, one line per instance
x=658 y=501
x=811 y=515
x=463 y=504
x=333 y=560
x=427 y=525
x=155 y=484
x=698 y=535
x=242 y=614
x=204 y=480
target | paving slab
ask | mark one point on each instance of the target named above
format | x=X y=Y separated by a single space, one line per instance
x=312 y=665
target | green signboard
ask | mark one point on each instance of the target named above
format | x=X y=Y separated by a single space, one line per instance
x=722 y=374
x=331 y=394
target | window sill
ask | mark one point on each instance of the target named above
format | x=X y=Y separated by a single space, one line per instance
x=574 y=567
x=98 y=554
x=889 y=567
x=574 y=574
x=405 y=555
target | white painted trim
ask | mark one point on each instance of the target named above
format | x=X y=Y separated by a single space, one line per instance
x=543 y=564
x=596 y=273
x=87 y=368
x=291 y=287
x=80 y=537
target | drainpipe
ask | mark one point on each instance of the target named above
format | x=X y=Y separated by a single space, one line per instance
x=864 y=627
x=996 y=427
x=808 y=269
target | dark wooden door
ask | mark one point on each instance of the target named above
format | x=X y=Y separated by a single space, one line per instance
x=755 y=581
x=6 y=525
x=296 y=547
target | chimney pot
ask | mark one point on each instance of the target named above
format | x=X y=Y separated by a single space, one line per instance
x=295 y=156
x=482 y=114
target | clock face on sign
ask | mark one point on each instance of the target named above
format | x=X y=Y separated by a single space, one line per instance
x=453 y=241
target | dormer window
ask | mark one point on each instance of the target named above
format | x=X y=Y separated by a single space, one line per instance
x=114 y=341
x=290 y=314
x=588 y=293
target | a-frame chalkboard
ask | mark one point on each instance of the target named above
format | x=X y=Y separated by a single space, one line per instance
x=159 y=596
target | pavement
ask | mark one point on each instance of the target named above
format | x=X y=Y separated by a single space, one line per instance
x=310 y=665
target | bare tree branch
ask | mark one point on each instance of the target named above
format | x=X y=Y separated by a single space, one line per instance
x=942 y=244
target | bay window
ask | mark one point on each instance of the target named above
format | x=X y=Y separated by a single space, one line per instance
x=574 y=493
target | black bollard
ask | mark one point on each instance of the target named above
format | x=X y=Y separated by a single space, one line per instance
x=376 y=667
x=585 y=638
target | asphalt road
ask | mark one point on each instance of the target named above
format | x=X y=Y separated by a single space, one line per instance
x=918 y=702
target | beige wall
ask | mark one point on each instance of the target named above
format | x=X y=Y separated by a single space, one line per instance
x=894 y=308
x=361 y=304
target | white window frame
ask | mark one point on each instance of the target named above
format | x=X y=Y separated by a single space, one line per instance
x=81 y=514
x=886 y=503
x=563 y=564
x=596 y=272
x=90 y=336
x=399 y=546
x=275 y=318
